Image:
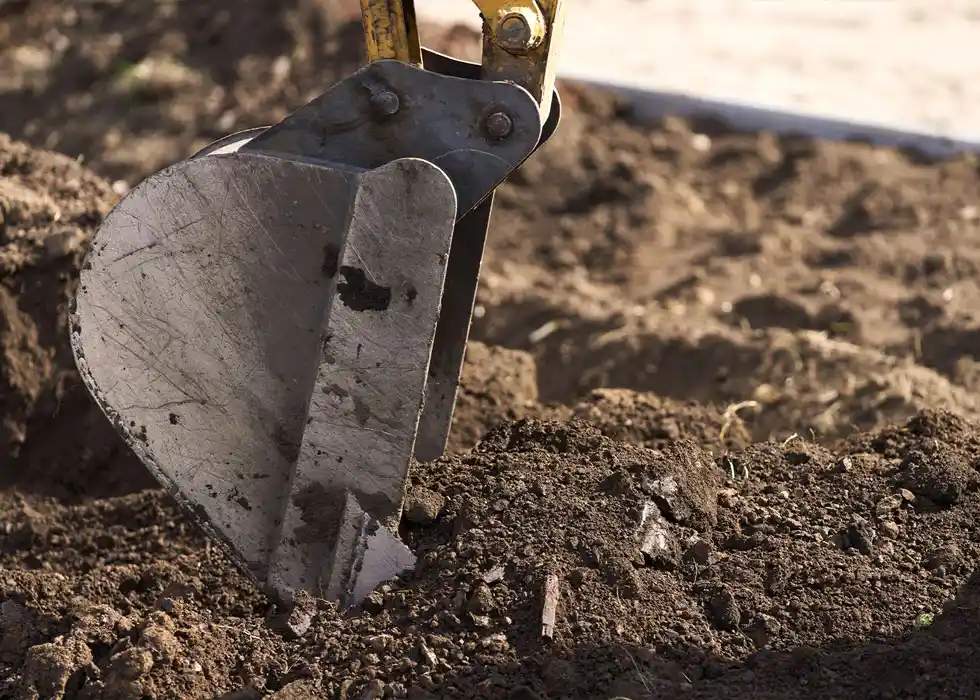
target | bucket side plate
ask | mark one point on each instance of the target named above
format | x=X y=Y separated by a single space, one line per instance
x=198 y=327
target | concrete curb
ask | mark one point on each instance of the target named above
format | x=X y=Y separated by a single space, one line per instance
x=649 y=105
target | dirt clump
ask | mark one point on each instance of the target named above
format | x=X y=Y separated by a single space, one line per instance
x=722 y=387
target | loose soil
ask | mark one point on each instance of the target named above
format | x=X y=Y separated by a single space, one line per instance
x=722 y=387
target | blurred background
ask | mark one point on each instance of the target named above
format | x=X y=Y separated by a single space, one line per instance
x=133 y=85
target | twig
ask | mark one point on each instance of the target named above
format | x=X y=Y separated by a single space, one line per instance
x=791 y=438
x=550 y=609
x=730 y=414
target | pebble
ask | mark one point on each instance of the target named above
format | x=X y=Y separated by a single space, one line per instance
x=296 y=622
x=495 y=642
x=427 y=656
x=942 y=560
x=481 y=599
x=888 y=504
x=890 y=529
x=380 y=642
x=481 y=621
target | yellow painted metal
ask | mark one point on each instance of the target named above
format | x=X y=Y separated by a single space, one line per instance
x=531 y=63
x=521 y=39
x=390 y=31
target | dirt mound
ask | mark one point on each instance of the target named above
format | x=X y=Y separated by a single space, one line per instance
x=681 y=334
x=787 y=570
x=51 y=430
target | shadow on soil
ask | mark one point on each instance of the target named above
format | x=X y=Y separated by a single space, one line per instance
x=934 y=661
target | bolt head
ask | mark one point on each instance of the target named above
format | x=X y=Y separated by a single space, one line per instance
x=385 y=103
x=499 y=125
x=514 y=33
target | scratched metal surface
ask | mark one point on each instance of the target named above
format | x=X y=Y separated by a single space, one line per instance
x=364 y=410
x=440 y=118
x=198 y=324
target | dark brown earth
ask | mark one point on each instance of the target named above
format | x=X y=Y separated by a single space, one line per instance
x=767 y=346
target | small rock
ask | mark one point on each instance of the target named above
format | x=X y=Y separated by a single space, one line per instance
x=657 y=542
x=374 y=603
x=888 y=504
x=296 y=622
x=769 y=623
x=481 y=599
x=890 y=529
x=495 y=643
x=481 y=621
x=683 y=481
x=495 y=574
x=427 y=657
x=380 y=642
x=943 y=560
x=423 y=506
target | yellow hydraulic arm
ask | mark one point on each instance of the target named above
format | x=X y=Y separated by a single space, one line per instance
x=520 y=39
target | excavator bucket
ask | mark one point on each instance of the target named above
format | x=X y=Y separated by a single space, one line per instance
x=276 y=325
